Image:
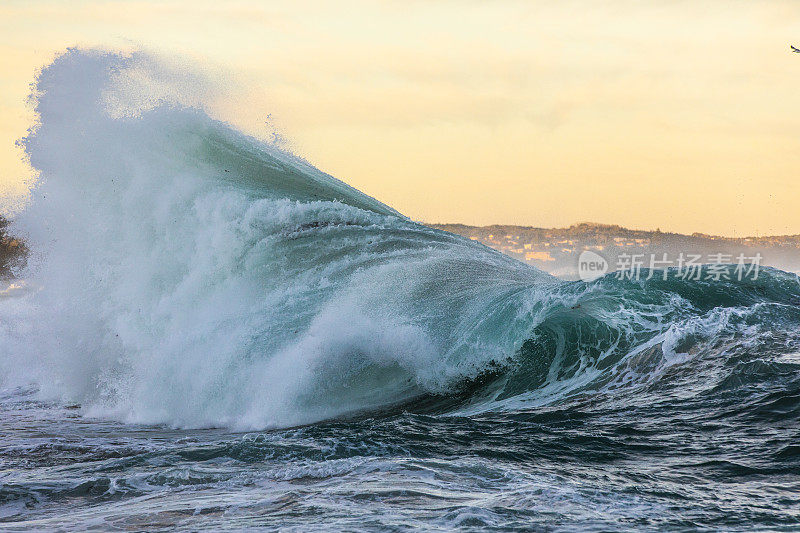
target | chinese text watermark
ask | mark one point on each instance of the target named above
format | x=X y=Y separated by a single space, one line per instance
x=685 y=266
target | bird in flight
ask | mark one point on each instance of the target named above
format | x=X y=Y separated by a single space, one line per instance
x=795 y=49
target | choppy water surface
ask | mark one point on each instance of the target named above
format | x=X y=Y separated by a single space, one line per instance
x=725 y=458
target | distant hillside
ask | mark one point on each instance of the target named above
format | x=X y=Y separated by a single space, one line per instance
x=556 y=250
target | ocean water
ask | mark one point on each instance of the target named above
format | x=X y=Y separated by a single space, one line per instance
x=211 y=333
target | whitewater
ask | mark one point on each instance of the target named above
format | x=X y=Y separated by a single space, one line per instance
x=212 y=333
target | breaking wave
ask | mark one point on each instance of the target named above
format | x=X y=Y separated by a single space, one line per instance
x=185 y=273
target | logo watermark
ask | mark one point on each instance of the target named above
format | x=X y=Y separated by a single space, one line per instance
x=591 y=265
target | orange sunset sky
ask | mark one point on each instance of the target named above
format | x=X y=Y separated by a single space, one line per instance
x=682 y=115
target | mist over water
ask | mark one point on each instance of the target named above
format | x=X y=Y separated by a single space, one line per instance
x=188 y=282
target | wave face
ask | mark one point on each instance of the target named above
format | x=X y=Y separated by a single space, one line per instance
x=187 y=274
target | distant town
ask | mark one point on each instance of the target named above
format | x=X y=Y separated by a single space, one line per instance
x=556 y=250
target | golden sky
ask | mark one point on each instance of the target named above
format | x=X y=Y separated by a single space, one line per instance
x=678 y=114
